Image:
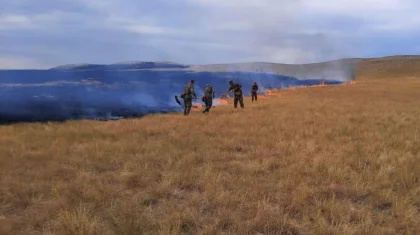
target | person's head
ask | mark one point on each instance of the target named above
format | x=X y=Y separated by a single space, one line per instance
x=230 y=82
x=192 y=81
x=255 y=83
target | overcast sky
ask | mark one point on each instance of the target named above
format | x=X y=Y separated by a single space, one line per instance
x=46 y=33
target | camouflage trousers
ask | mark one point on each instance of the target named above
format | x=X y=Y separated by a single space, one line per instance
x=254 y=96
x=239 y=99
x=187 y=105
x=208 y=102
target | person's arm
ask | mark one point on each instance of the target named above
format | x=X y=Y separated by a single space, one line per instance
x=193 y=92
x=227 y=92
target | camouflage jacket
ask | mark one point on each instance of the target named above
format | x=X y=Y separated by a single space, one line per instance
x=209 y=91
x=254 y=88
x=237 y=90
x=188 y=91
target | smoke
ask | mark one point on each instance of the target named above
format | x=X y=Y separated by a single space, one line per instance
x=283 y=36
x=277 y=31
x=59 y=95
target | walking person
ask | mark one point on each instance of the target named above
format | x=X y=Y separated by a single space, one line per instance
x=208 y=98
x=237 y=94
x=254 y=90
x=187 y=95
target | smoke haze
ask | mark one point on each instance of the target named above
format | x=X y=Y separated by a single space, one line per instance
x=125 y=90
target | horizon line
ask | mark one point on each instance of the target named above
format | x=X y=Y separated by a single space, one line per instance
x=214 y=64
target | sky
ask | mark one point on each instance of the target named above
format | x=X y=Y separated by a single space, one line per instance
x=39 y=34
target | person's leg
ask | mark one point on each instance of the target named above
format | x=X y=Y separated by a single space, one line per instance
x=210 y=100
x=188 y=104
x=235 y=102
x=241 y=102
x=185 y=106
x=206 y=104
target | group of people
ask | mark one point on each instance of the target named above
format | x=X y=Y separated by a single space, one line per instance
x=209 y=95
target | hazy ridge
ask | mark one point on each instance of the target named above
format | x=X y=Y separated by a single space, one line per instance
x=340 y=67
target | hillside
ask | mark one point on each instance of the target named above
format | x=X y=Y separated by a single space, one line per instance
x=388 y=67
x=324 y=160
x=400 y=64
x=121 y=66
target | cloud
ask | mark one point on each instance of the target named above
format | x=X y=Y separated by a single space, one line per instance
x=375 y=14
x=9 y=22
x=205 y=31
x=17 y=62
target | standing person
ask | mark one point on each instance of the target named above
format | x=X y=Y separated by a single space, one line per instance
x=187 y=96
x=254 y=90
x=237 y=94
x=208 y=98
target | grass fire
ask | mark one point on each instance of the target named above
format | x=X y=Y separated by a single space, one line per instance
x=324 y=159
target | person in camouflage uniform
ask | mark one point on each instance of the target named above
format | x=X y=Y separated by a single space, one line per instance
x=254 y=90
x=187 y=95
x=208 y=98
x=237 y=94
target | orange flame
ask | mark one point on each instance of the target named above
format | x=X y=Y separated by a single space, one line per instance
x=322 y=84
x=272 y=92
x=276 y=92
x=200 y=107
x=222 y=101
x=196 y=107
x=269 y=92
x=350 y=82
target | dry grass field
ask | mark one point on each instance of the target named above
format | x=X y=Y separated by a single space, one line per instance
x=323 y=160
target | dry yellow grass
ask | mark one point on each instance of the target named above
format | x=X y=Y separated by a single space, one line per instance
x=390 y=67
x=323 y=160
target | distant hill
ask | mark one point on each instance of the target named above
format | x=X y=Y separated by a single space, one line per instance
x=388 y=67
x=337 y=68
x=365 y=67
x=121 y=66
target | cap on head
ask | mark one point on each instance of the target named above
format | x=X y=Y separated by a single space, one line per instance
x=192 y=81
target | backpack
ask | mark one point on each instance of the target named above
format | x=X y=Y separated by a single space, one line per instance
x=186 y=91
x=208 y=90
